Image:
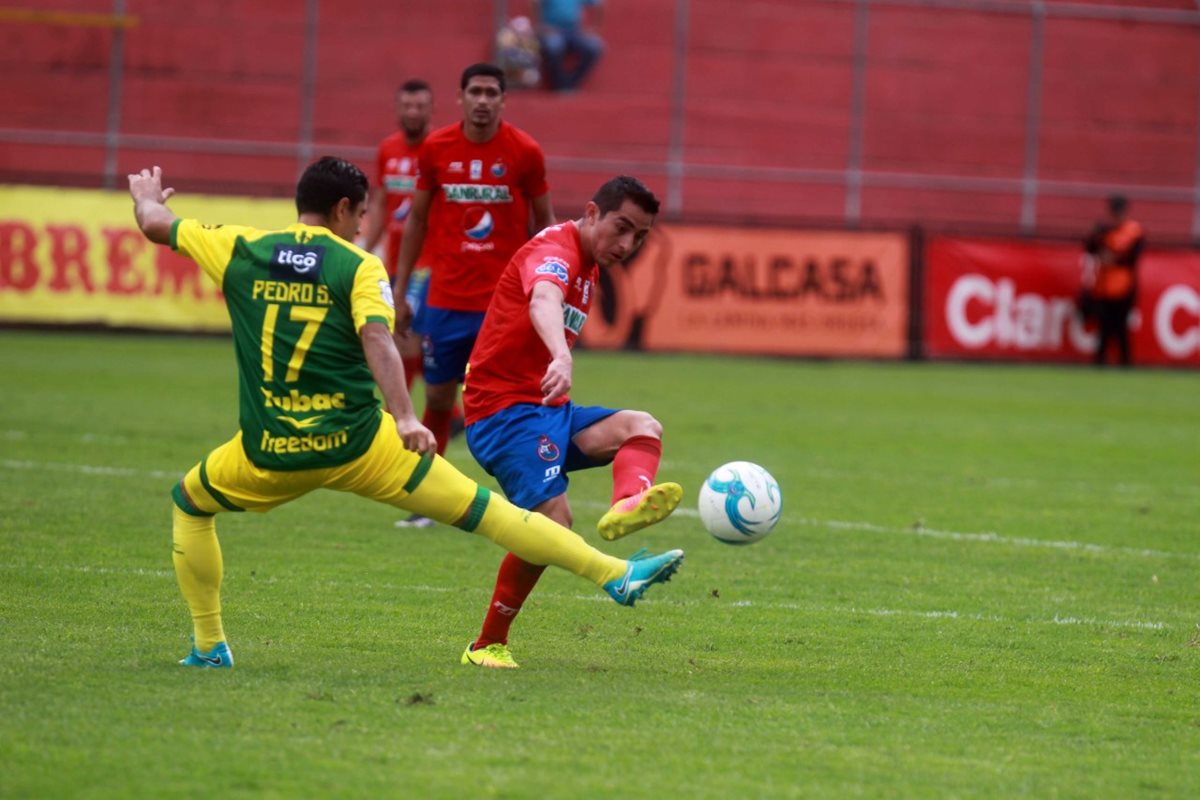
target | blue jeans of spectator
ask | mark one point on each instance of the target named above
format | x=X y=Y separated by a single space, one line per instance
x=561 y=46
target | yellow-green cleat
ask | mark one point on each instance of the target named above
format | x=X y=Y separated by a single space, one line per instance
x=494 y=656
x=639 y=511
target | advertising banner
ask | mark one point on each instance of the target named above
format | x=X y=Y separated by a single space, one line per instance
x=71 y=256
x=773 y=292
x=1016 y=300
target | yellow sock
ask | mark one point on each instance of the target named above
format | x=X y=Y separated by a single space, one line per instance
x=199 y=569
x=538 y=539
x=445 y=494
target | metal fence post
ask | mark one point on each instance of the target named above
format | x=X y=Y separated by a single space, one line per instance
x=1033 y=117
x=308 y=97
x=675 y=147
x=858 y=105
x=116 y=75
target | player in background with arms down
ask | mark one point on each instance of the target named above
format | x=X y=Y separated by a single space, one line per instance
x=480 y=184
x=521 y=425
x=390 y=201
x=1110 y=281
x=312 y=325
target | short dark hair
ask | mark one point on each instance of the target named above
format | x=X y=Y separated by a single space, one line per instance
x=616 y=191
x=1118 y=203
x=484 y=69
x=325 y=182
x=414 y=85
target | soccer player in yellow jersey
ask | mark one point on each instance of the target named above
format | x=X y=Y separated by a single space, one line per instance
x=312 y=329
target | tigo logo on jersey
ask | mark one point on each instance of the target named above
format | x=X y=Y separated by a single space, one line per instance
x=297 y=262
x=478 y=223
x=555 y=267
x=547 y=450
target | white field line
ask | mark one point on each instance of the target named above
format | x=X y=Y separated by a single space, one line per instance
x=984 y=537
x=995 y=538
x=391 y=589
x=988 y=537
x=85 y=469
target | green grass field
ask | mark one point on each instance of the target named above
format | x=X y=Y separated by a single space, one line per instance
x=984 y=585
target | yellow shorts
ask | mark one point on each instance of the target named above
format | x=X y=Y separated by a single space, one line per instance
x=226 y=480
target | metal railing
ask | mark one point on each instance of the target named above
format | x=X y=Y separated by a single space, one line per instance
x=854 y=177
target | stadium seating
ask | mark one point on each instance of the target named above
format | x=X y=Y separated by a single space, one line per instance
x=768 y=127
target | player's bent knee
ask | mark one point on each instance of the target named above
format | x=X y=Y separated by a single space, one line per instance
x=557 y=509
x=642 y=423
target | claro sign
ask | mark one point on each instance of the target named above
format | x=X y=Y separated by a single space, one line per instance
x=737 y=290
x=994 y=299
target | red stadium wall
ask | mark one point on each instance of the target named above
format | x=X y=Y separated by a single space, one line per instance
x=768 y=115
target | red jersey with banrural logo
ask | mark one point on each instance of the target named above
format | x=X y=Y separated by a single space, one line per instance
x=509 y=358
x=479 y=212
x=396 y=175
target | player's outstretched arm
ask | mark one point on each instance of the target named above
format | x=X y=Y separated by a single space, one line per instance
x=388 y=371
x=546 y=314
x=149 y=205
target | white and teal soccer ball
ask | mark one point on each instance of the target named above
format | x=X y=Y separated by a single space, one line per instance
x=740 y=502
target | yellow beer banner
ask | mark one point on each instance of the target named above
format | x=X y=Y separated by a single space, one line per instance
x=74 y=256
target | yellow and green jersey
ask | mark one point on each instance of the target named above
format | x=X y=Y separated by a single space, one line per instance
x=297 y=299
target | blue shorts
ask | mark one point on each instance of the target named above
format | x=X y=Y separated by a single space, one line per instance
x=527 y=448
x=414 y=295
x=446 y=339
x=418 y=288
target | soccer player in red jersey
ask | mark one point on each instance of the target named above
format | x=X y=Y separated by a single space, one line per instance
x=391 y=198
x=521 y=425
x=480 y=181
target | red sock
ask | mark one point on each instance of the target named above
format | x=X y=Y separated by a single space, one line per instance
x=635 y=466
x=412 y=368
x=513 y=584
x=458 y=412
x=438 y=422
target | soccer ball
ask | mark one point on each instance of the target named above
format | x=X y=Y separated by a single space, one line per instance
x=740 y=502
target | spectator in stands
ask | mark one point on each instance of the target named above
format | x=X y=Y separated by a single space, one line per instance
x=1110 y=279
x=519 y=54
x=569 y=51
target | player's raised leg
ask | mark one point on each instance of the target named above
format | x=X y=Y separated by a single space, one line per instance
x=633 y=440
x=437 y=489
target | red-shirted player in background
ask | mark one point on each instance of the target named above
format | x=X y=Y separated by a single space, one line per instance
x=481 y=183
x=522 y=427
x=391 y=200
x=392 y=193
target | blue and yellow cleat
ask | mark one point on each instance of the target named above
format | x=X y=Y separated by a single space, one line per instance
x=652 y=504
x=644 y=571
x=217 y=658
